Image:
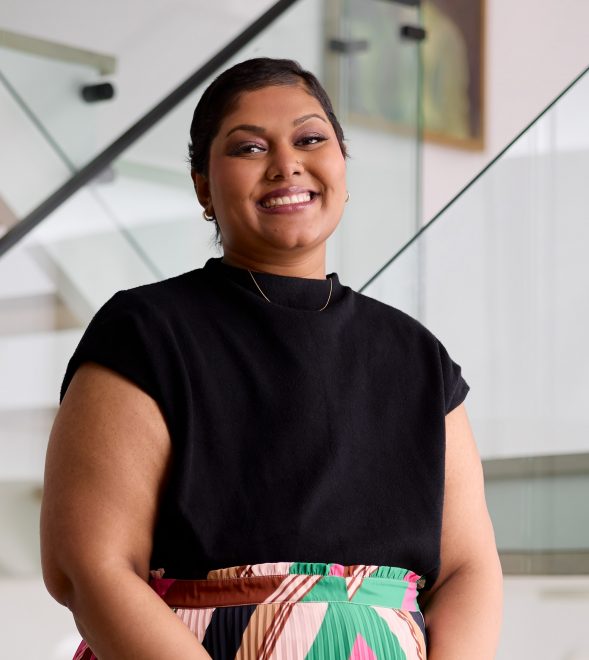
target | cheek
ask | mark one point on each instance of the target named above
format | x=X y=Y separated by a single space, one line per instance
x=221 y=173
x=342 y=171
x=333 y=168
x=231 y=181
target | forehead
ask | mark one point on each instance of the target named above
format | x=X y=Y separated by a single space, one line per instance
x=273 y=103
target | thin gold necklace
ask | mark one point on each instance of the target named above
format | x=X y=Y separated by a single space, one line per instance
x=268 y=299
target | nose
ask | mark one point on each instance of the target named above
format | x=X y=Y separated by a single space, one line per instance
x=284 y=163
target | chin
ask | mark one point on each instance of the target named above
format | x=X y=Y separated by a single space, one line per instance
x=297 y=238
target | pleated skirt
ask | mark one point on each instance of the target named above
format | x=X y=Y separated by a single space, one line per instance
x=299 y=611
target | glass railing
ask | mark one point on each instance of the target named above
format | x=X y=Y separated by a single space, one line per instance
x=62 y=105
x=341 y=41
x=52 y=93
x=32 y=162
x=501 y=276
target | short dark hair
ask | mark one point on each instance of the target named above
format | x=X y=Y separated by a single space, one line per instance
x=222 y=95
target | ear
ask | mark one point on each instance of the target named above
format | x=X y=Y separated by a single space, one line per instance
x=202 y=189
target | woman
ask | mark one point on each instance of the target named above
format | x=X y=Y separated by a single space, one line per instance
x=290 y=459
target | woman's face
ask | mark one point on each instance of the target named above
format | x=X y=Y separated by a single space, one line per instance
x=276 y=177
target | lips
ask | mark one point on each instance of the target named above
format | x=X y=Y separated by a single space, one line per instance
x=291 y=196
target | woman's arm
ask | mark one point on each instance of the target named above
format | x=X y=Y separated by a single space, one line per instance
x=106 y=464
x=463 y=609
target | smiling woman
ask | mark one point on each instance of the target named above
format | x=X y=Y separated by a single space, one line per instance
x=252 y=460
x=275 y=181
x=268 y=164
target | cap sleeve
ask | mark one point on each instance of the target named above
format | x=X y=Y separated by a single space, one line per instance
x=122 y=336
x=455 y=387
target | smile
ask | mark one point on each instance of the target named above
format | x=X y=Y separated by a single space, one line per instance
x=286 y=200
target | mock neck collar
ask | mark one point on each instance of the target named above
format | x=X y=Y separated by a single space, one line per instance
x=284 y=290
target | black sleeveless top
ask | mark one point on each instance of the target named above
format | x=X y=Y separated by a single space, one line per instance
x=298 y=435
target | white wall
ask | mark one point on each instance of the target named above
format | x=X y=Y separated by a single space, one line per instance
x=533 y=50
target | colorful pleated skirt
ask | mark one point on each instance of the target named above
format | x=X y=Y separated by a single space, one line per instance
x=299 y=611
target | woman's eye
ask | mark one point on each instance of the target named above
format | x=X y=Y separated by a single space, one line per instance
x=247 y=148
x=311 y=139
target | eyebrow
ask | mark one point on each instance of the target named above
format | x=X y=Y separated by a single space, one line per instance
x=259 y=130
x=304 y=118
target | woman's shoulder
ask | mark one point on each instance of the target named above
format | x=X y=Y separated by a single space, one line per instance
x=383 y=316
x=417 y=346
x=181 y=285
x=123 y=333
x=157 y=298
x=143 y=314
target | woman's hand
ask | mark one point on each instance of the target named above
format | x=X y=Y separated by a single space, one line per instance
x=107 y=459
x=463 y=609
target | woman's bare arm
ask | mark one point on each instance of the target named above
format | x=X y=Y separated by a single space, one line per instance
x=106 y=463
x=463 y=610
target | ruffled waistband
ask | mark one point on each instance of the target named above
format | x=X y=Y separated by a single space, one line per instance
x=293 y=582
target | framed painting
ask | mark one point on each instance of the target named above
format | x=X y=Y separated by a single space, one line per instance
x=374 y=66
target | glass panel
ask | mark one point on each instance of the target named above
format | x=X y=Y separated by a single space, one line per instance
x=375 y=74
x=383 y=131
x=32 y=163
x=57 y=106
x=502 y=278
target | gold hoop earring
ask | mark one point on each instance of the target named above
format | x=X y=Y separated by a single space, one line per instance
x=347 y=196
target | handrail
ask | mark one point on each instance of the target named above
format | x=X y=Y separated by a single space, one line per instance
x=103 y=159
x=104 y=64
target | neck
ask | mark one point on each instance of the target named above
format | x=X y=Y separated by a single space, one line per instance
x=312 y=267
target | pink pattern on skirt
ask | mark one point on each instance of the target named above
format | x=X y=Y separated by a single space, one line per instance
x=361 y=650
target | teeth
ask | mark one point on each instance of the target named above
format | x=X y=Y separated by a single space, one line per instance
x=282 y=201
